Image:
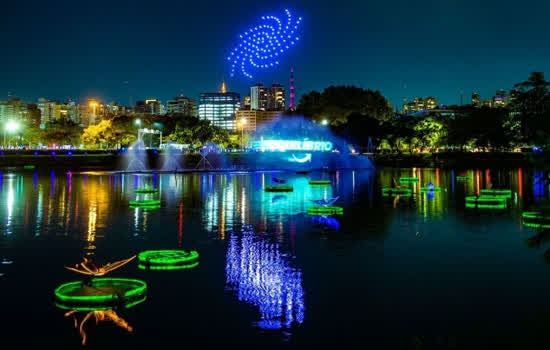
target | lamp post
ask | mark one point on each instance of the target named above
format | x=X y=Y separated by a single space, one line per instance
x=10 y=126
x=137 y=122
x=324 y=122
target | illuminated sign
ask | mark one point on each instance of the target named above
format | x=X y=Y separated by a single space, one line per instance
x=304 y=159
x=291 y=145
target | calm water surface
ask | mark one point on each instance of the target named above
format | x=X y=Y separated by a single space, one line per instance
x=416 y=267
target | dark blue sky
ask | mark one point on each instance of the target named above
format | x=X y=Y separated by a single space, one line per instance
x=76 y=49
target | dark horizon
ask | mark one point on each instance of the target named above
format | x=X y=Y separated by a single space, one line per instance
x=128 y=52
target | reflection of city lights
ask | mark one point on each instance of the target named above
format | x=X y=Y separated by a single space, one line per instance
x=260 y=275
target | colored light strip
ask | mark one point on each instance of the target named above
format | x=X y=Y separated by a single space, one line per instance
x=133 y=287
x=167 y=267
x=291 y=145
x=167 y=257
x=279 y=188
x=325 y=210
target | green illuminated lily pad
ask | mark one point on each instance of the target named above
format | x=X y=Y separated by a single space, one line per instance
x=325 y=210
x=396 y=191
x=168 y=259
x=29 y=167
x=100 y=293
x=146 y=190
x=535 y=219
x=428 y=189
x=496 y=192
x=145 y=203
x=279 y=188
x=320 y=182
x=486 y=202
x=463 y=178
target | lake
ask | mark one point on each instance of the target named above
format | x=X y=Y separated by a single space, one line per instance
x=417 y=270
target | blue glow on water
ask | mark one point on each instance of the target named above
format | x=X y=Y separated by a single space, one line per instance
x=260 y=274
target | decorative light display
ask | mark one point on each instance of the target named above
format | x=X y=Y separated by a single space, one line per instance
x=304 y=159
x=146 y=190
x=496 y=192
x=430 y=188
x=168 y=259
x=262 y=46
x=291 y=145
x=463 y=178
x=101 y=291
x=387 y=191
x=279 y=188
x=260 y=274
x=535 y=219
x=145 y=203
x=88 y=268
x=320 y=182
x=29 y=167
x=407 y=180
x=486 y=202
x=325 y=210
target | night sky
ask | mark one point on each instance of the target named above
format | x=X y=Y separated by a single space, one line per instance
x=130 y=50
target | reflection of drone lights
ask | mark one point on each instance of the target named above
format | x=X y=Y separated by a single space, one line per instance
x=304 y=159
x=88 y=268
x=102 y=315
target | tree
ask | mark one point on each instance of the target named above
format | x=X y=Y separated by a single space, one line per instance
x=100 y=135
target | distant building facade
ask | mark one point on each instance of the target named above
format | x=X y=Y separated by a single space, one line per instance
x=182 y=105
x=255 y=118
x=419 y=104
x=267 y=98
x=220 y=108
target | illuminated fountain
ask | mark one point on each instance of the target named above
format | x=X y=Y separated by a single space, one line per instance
x=136 y=157
x=171 y=162
x=260 y=274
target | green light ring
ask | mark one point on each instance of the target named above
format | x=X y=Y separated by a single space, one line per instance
x=146 y=190
x=279 y=189
x=145 y=202
x=486 y=200
x=325 y=210
x=426 y=189
x=485 y=206
x=463 y=178
x=167 y=257
x=147 y=207
x=404 y=195
x=534 y=215
x=29 y=167
x=134 y=288
x=396 y=190
x=98 y=307
x=168 y=267
x=407 y=179
x=320 y=182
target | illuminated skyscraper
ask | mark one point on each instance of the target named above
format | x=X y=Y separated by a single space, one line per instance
x=182 y=105
x=258 y=97
x=220 y=108
x=267 y=99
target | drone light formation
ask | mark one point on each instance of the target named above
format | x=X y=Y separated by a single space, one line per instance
x=261 y=46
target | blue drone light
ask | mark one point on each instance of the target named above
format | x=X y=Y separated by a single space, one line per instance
x=261 y=46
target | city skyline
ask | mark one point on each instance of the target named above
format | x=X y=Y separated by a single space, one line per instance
x=407 y=52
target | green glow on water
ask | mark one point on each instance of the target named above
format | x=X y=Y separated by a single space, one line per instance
x=90 y=295
x=146 y=190
x=535 y=219
x=167 y=257
x=325 y=210
x=496 y=192
x=29 y=167
x=279 y=188
x=463 y=178
x=427 y=189
x=396 y=190
x=98 y=307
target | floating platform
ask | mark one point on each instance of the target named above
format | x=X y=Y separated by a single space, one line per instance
x=463 y=178
x=279 y=188
x=535 y=219
x=408 y=180
x=29 y=167
x=320 y=182
x=486 y=202
x=146 y=190
x=100 y=293
x=168 y=259
x=145 y=203
x=496 y=192
x=325 y=210
x=396 y=191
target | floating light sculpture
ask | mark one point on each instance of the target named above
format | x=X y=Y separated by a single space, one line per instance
x=87 y=267
x=146 y=190
x=325 y=210
x=486 y=202
x=463 y=178
x=496 y=192
x=168 y=259
x=408 y=179
x=262 y=46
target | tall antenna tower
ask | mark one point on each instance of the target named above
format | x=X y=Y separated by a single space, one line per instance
x=292 y=92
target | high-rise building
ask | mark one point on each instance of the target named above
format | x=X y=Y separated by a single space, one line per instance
x=500 y=99
x=419 y=104
x=149 y=106
x=220 y=108
x=276 y=98
x=246 y=102
x=255 y=118
x=476 y=99
x=13 y=109
x=182 y=105
x=264 y=98
x=258 y=97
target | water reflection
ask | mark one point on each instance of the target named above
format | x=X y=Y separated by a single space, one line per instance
x=262 y=275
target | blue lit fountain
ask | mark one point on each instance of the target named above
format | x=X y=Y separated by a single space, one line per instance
x=136 y=157
x=171 y=162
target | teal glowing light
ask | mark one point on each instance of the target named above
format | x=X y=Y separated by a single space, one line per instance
x=100 y=292
x=279 y=188
x=164 y=258
x=408 y=179
x=325 y=210
x=291 y=145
